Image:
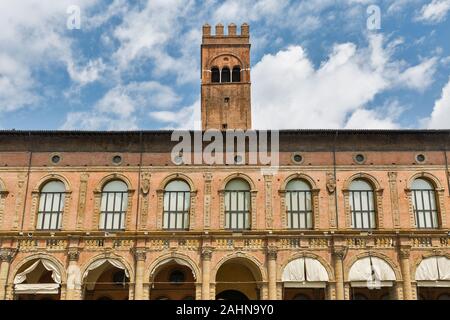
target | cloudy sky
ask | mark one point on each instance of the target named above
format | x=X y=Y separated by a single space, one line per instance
x=135 y=64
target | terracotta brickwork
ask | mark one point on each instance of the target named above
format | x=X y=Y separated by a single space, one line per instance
x=142 y=259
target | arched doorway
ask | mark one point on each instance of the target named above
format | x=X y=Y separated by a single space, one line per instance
x=231 y=295
x=173 y=280
x=372 y=278
x=304 y=279
x=433 y=278
x=106 y=279
x=38 y=279
x=238 y=279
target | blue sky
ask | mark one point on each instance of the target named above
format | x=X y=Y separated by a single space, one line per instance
x=135 y=64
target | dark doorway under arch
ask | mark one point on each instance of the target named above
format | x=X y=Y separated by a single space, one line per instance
x=231 y=295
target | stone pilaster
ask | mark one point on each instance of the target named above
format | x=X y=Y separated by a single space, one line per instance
x=206 y=270
x=73 y=288
x=140 y=255
x=272 y=272
x=339 y=253
x=6 y=256
x=404 y=253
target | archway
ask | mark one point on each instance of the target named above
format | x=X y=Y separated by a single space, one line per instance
x=106 y=279
x=372 y=278
x=238 y=279
x=173 y=280
x=38 y=279
x=304 y=279
x=433 y=278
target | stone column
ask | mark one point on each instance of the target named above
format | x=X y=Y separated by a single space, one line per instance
x=338 y=255
x=6 y=256
x=206 y=271
x=140 y=256
x=272 y=272
x=73 y=288
x=404 y=253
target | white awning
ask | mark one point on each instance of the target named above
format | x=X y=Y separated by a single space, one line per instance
x=434 y=272
x=177 y=261
x=100 y=262
x=48 y=265
x=305 y=273
x=371 y=270
x=36 y=288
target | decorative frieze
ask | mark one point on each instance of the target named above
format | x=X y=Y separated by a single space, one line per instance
x=207 y=197
x=55 y=244
x=144 y=202
x=421 y=242
x=94 y=244
x=20 y=198
x=331 y=188
x=268 y=200
x=82 y=197
x=123 y=244
x=28 y=244
x=384 y=242
x=253 y=244
x=188 y=244
x=356 y=242
x=224 y=243
x=394 y=198
x=319 y=242
x=159 y=244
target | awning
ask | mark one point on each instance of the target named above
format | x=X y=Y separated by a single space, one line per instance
x=37 y=288
x=116 y=263
x=177 y=261
x=305 y=273
x=371 y=271
x=49 y=265
x=433 y=272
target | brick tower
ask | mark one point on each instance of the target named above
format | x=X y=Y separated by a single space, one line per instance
x=225 y=61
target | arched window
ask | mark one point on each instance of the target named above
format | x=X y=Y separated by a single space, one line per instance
x=114 y=205
x=237 y=205
x=298 y=205
x=362 y=206
x=215 y=75
x=177 y=202
x=424 y=204
x=226 y=76
x=51 y=206
x=236 y=76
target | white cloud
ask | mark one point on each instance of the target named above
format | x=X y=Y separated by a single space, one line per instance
x=32 y=38
x=435 y=11
x=420 y=76
x=122 y=106
x=440 y=117
x=297 y=95
x=87 y=74
x=185 y=118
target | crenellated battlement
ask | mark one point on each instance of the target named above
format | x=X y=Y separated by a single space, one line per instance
x=231 y=31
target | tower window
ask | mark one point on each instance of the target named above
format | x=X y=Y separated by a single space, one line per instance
x=236 y=74
x=215 y=75
x=226 y=75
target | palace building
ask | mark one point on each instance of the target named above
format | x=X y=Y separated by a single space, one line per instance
x=358 y=214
